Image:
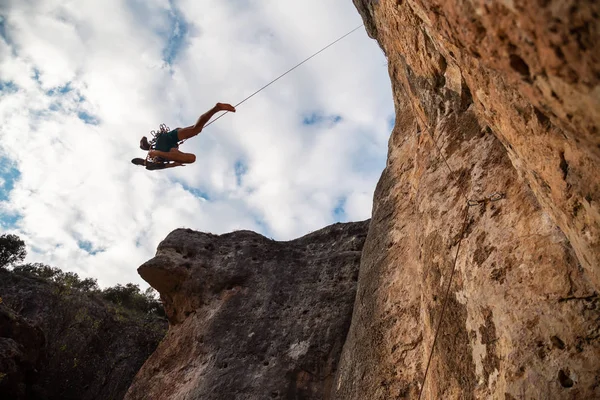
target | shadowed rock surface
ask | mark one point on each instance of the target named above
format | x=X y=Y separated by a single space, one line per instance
x=57 y=343
x=490 y=97
x=21 y=351
x=251 y=318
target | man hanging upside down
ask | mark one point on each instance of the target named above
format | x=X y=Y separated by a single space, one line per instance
x=166 y=146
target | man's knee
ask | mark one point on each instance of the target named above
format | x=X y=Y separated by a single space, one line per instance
x=191 y=159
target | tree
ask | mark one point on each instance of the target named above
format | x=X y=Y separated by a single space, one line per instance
x=131 y=297
x=128 y=296
x=69 y=280
x=37 y=269
x=12 y=250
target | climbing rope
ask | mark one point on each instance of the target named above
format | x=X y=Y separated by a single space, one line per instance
x=155 y=134
x=470 y=203
x=437 y=329
x=284 y=74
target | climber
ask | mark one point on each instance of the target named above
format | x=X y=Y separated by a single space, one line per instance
x=167 y=144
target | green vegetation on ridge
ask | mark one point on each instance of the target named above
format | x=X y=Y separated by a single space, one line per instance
x=129 y=296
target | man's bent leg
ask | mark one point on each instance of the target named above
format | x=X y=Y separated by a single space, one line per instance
x=193 y=130
x=174 y=155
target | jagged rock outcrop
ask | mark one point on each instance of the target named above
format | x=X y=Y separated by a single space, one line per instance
x=490 y=97
x=251 y=318
x=57 y=343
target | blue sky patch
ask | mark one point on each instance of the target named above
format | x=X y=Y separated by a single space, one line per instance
x=88 y=247
x=319 y=118
x=339 y=212
x=168 y=24
x=9 y=221
x=60 y=90
x=8 y=87
x=178 y=30
x=240 y=171
x=391 y=122
x=9 y=176
x=195 y=191
x=87 y=118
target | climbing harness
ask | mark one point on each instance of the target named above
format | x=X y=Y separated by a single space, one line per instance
x=496 y=196
x=162 y=129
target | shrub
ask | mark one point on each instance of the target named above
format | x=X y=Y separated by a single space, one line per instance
x=131 y=297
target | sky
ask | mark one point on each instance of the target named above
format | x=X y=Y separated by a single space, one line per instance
x=82 y=81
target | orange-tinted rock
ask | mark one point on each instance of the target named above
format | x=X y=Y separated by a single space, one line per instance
x=491 y=97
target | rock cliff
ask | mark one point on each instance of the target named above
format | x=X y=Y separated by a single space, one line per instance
x=497 y=105
x=251 y=318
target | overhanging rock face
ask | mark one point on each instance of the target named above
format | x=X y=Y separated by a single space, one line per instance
x=251 y=318
x=490 y=97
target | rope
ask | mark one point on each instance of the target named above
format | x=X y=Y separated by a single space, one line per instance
x=437 y=329
x=279 y=77
x=286 y=72
x=462 y=234
x=470 y=203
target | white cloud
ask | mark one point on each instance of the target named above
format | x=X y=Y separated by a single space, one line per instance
x=128 y=66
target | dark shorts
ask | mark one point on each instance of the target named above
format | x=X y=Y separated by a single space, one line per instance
x=167 y=141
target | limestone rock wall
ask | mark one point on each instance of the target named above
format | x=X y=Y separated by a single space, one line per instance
x=491 y=97
x=251 y=318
